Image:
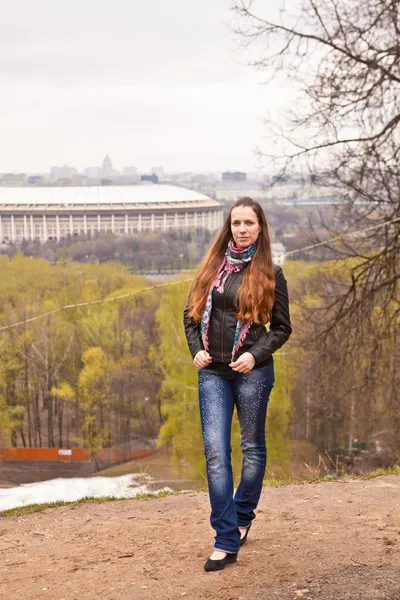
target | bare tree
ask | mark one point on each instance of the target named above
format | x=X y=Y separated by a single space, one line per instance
x=342 y=59
x=345 y=57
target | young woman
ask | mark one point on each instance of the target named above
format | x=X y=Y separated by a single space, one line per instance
x=236 y=291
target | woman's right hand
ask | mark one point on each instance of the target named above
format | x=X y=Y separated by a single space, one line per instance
x=202 y=359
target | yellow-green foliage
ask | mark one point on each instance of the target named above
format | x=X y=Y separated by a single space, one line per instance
x=279 y=410
x=92 y=389
x=5 y=424
x=181 y=430
x=54 y=370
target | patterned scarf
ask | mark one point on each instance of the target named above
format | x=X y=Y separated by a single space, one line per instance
x=235 y=260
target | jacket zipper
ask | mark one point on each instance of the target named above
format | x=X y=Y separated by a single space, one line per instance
x=223 y=317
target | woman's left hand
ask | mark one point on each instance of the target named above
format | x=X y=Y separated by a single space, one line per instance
x=244 y=363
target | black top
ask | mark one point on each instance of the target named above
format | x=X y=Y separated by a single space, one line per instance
x=260 y=342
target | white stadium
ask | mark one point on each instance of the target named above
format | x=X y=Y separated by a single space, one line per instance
x=53 y=213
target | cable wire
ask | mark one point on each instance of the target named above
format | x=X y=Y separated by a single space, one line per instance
x=154 y=287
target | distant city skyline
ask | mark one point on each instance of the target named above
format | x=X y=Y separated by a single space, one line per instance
x=121 y=168
x=127 y=168
x=106 y=167
x=148 y=83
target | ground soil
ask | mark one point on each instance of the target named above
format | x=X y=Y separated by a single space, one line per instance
x=328 y=541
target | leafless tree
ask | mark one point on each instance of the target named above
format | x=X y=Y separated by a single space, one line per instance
x=342 y=59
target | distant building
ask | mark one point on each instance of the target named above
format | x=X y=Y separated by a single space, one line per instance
x=159 y=171
x=43 y=213
x=234 y=176
x=36 y=180
x=14 y=179
x=149 y=178
x=280 y=178
x=93 y=172
x=199 y=179
x=65 y=172
x=130 y=171
x=107 y=167
x=124 y=180
x=79 y=180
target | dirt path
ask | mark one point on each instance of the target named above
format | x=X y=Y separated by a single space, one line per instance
x=327 y=541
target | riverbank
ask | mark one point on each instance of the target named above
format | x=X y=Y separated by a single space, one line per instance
x=328 y=541
x=154 y=473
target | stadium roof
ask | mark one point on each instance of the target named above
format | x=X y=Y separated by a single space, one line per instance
x=104 y=195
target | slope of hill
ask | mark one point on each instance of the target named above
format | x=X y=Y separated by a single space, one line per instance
x=328 y=541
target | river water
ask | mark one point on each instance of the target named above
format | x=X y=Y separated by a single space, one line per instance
x=75 y=488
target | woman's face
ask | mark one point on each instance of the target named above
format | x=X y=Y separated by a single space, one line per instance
x=244 y=226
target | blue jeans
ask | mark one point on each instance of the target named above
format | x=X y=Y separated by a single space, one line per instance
x=219 y=391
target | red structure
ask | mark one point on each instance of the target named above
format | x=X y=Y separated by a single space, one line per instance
x=109 y=456
x=26 y=465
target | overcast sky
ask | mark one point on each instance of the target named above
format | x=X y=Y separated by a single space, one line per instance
x=150 y=82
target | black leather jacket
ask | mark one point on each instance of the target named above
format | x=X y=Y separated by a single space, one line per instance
x=260 y=342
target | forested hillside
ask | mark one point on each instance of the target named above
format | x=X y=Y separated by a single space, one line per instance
x=105 y=374
x=80 y=376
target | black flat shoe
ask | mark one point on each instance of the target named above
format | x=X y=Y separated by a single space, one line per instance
x=244 y=538
x=217 y=565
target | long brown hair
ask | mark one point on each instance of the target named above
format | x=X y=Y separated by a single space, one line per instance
x=256 y=294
